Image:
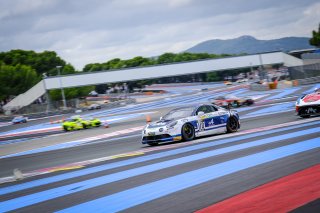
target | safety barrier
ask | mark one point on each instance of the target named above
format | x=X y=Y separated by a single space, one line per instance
x=259 y=87
x=306 y=81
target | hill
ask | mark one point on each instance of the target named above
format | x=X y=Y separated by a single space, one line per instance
x=250 y=45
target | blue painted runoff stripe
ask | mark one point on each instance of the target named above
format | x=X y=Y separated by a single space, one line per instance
x=87 y=184
x=275 y=108
x=282 y=94
x=312 y=89
x=86 y=171
x=148 y=192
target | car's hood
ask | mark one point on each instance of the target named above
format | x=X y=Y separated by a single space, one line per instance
x=310 y=99
x=159 y=123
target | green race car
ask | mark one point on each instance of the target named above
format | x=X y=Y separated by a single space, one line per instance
x=77 y=123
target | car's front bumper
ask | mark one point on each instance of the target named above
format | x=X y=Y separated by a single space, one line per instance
x=307 y=110
x=160 y=138
x=159 y=135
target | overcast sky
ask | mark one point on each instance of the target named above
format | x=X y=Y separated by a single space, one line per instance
x=95 y=31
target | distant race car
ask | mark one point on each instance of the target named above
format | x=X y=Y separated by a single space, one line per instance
x=232 y=101
x=19 y=119
x=186 y=123
x=244 y=80
x=309 y=104
x=94 y=106
x=227 y=83
x=76 y=123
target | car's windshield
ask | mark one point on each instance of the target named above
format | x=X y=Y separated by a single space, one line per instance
x=178 y=113
x=219 y=98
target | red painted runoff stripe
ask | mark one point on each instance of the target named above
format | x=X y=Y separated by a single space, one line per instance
x=282 y=195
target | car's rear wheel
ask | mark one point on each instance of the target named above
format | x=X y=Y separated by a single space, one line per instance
x=249 y=102
x=304 y=116
x=232 y=125
x=187 y=132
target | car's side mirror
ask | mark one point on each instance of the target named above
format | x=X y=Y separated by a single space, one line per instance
x=200 y=113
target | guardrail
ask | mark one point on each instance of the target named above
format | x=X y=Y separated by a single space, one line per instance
x=70 y=110
x=306 y=81
x=259 y=87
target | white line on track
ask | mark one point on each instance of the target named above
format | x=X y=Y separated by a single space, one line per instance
x=81 y=164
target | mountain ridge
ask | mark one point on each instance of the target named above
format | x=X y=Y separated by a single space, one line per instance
x=250 y=45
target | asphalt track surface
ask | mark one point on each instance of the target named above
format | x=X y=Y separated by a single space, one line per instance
x=174 y=177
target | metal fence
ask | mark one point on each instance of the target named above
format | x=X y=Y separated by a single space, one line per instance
x=55 y=108
x=305 y=71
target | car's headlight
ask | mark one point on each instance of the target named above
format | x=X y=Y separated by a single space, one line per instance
x=144 y=130
x=172 y=124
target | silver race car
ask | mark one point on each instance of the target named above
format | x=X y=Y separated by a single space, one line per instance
x=186 y=123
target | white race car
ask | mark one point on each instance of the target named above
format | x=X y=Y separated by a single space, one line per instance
x=186 y=123
x=309 y=104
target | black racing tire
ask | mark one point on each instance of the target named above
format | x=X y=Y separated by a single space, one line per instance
x=232 y=125
x=236 y=104
x=249 y=102
x=153 y=143
x=187 y=132
x=305 y=116
x=84 y=126
x=65 y=129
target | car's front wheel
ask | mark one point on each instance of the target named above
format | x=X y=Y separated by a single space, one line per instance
x=232 y=125
x=187 y=132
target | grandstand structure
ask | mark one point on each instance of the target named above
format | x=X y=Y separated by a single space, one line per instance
x=150 y=72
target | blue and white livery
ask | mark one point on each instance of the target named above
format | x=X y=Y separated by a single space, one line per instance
x=187 y=123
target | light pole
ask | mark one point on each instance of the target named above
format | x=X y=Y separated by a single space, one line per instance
x=44 y=76
x=62 y=91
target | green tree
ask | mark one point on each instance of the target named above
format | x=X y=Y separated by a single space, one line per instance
x=71 y=93
x=213 y=76
x=93 y=67
x=44 y=62
x=16 y=79
x=166 y=58
x=136 y=62
x=315 y=40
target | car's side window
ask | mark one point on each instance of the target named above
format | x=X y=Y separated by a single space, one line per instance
x=200 y=109
x=209 y=109
x=205 y=109
x=214 y=109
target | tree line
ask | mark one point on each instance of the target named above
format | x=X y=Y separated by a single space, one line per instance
x=22 y=69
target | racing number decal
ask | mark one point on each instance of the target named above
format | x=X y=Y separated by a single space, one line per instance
x=201 y=125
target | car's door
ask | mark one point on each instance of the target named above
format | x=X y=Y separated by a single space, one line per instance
x=209 y=120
